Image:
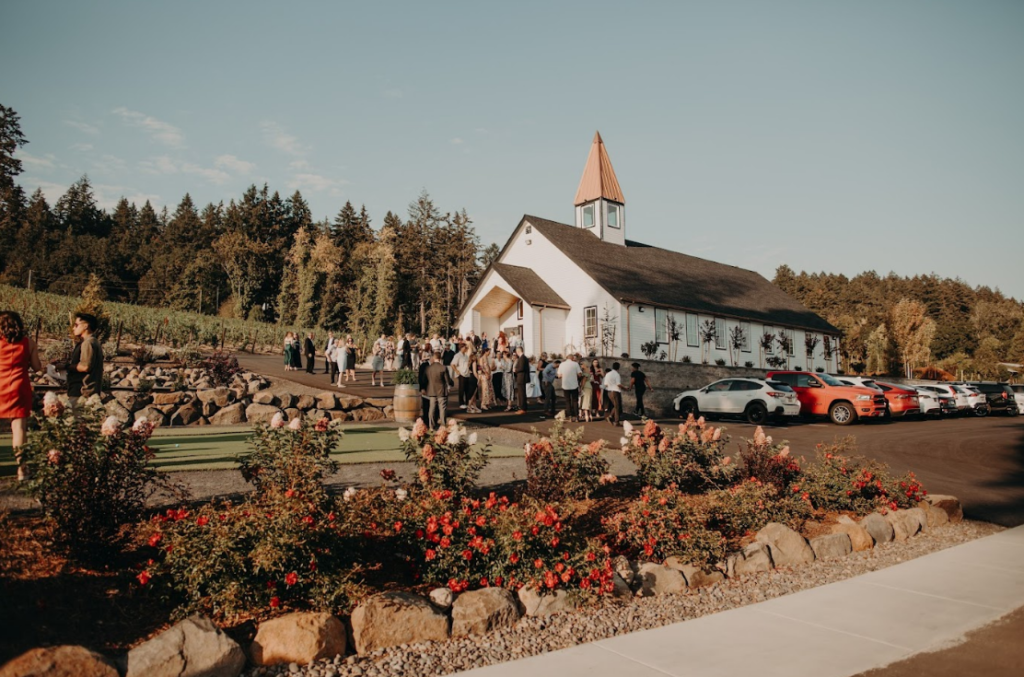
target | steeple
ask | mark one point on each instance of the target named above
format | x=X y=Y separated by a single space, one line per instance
x=600 y=205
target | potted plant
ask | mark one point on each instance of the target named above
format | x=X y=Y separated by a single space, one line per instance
x=407 y=395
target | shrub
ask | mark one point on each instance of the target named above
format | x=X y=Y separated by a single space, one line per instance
x=58 y=352
x=720 y=362
x=692 y=459
x=776 y=362
x=294 y=457
x=686 y=359
x=142 y=356
x=471 y=543
x=189 y=355
x=768 y=462
x=748 y=364
x=838 y=481
x=743 y=509
x=221 y=367
x=562 y=467
x=660 y=524
x=447 y=458
x=144 y=385
x=92 y=480
x=820 y=370
x=406 y=377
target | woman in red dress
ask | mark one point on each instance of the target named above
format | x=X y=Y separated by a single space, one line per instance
x=17 y=355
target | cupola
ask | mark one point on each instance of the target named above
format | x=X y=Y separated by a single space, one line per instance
x=600 y=205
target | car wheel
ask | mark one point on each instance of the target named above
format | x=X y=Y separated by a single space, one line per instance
x=842 y=413
x=981 y=411
x=757 y=413
x=687 y=407
x=1012 y=411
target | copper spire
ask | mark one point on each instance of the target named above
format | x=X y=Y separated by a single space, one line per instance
x=598 y=176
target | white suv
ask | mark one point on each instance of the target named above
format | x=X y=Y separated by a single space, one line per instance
x=755 y=399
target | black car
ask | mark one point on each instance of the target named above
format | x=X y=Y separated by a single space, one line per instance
x=1000 y=397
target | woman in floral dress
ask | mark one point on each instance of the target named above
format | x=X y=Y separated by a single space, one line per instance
x=486 y=385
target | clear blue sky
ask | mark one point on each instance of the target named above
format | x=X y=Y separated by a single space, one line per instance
x=835 y=136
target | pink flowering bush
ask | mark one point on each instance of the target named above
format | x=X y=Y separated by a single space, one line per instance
x=447 y=458
x=768 y=462
x=296 y=456
x=561 y=467
x=92 y=478
x=691 y=458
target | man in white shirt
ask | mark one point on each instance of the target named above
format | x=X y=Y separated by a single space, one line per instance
x=569 y=371
x=461 y=367
x=612 y=386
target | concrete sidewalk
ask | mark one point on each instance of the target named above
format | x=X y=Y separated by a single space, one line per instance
x=836 y=630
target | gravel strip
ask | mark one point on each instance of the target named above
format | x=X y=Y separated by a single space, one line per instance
x=533 y=636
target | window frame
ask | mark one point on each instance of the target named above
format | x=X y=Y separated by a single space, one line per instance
x=586 y=324
x=721 y=333
x=767 y=329
x=661 y=325
x=593 y=216
x=746 y=347
x=696 y=335
x=520 y=309
x=609 y=208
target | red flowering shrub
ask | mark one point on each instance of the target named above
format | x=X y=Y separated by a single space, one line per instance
x=837 y=481
x=470 y=543
x=660 y=524
x=447 y=457
x=691 y=459
x=91 y=479
x=562 y=467
x=743 y=509
x=221 y=367
x=768 y=462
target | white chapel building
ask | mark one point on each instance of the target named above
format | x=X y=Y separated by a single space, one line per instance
x=586 y=288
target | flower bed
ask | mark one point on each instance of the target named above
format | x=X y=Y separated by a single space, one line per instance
x=572 y=534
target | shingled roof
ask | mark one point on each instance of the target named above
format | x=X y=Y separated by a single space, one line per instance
x=529 y=286
x=642 y=274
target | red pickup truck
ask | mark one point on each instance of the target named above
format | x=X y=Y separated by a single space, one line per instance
x=824 y=395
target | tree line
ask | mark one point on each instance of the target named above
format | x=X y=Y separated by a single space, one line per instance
x=261 y=256
x=923 y=325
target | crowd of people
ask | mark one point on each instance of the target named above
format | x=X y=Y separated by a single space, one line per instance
x=486 y=374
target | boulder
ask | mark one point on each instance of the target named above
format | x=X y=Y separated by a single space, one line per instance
x=338 y=415
x=187 y=414
x=878 y=527
x=479 y=611
x=948 y=504
x=936 y=516
x=222 y=397
x=921 y=515
x=831 y=545
x=210 y=408
x=317 y=414
x=252 y=387
x=173 y=399
x=534 y=603
x=750 y=560
x=860 y=539
x=292 y=413
x=238 y=393
x=701 y=579
x=905 y=523
x=117 y=410
x=442 y=598
x=301 y=637
x=261 y=413
x=379 y=402
x=229 y=415
x=192 y=648
x=367 y=414
x=349 y=402
x=287 y=401
x=621 y=592
x=389 y=412
x=59 y=661
x=305 y=402
x=265 y=397
x=627 y=570
x=787 y=547
x=153 y=415
x=327 y=401
x=658 y=579
x=394 y=618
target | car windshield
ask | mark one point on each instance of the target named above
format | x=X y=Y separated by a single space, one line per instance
x=830 y=380
x=781 y=387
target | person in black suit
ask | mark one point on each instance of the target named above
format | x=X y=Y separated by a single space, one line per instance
x=435 y=384
x=405 y=347
x=424 y=400
x=310 y=350
x=521 y=371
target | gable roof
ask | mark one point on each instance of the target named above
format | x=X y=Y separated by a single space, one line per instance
x=598 y=176
x=529 y=286
x=646 y=275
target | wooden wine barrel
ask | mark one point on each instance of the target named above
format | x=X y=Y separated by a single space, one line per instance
x=407 y=404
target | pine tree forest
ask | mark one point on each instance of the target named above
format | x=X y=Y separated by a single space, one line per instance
x=925 y=326
x=259 y=257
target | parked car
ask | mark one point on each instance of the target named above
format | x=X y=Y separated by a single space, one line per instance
x=1018 y=392
x=976 y=398
x=899 y=400
x=755 y=399
x=1000 y=397
x=947 y=405
x=959 y=397
x=824 y=395
x=930 y=404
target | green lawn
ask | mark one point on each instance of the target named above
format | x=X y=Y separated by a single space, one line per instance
x=204 y=449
